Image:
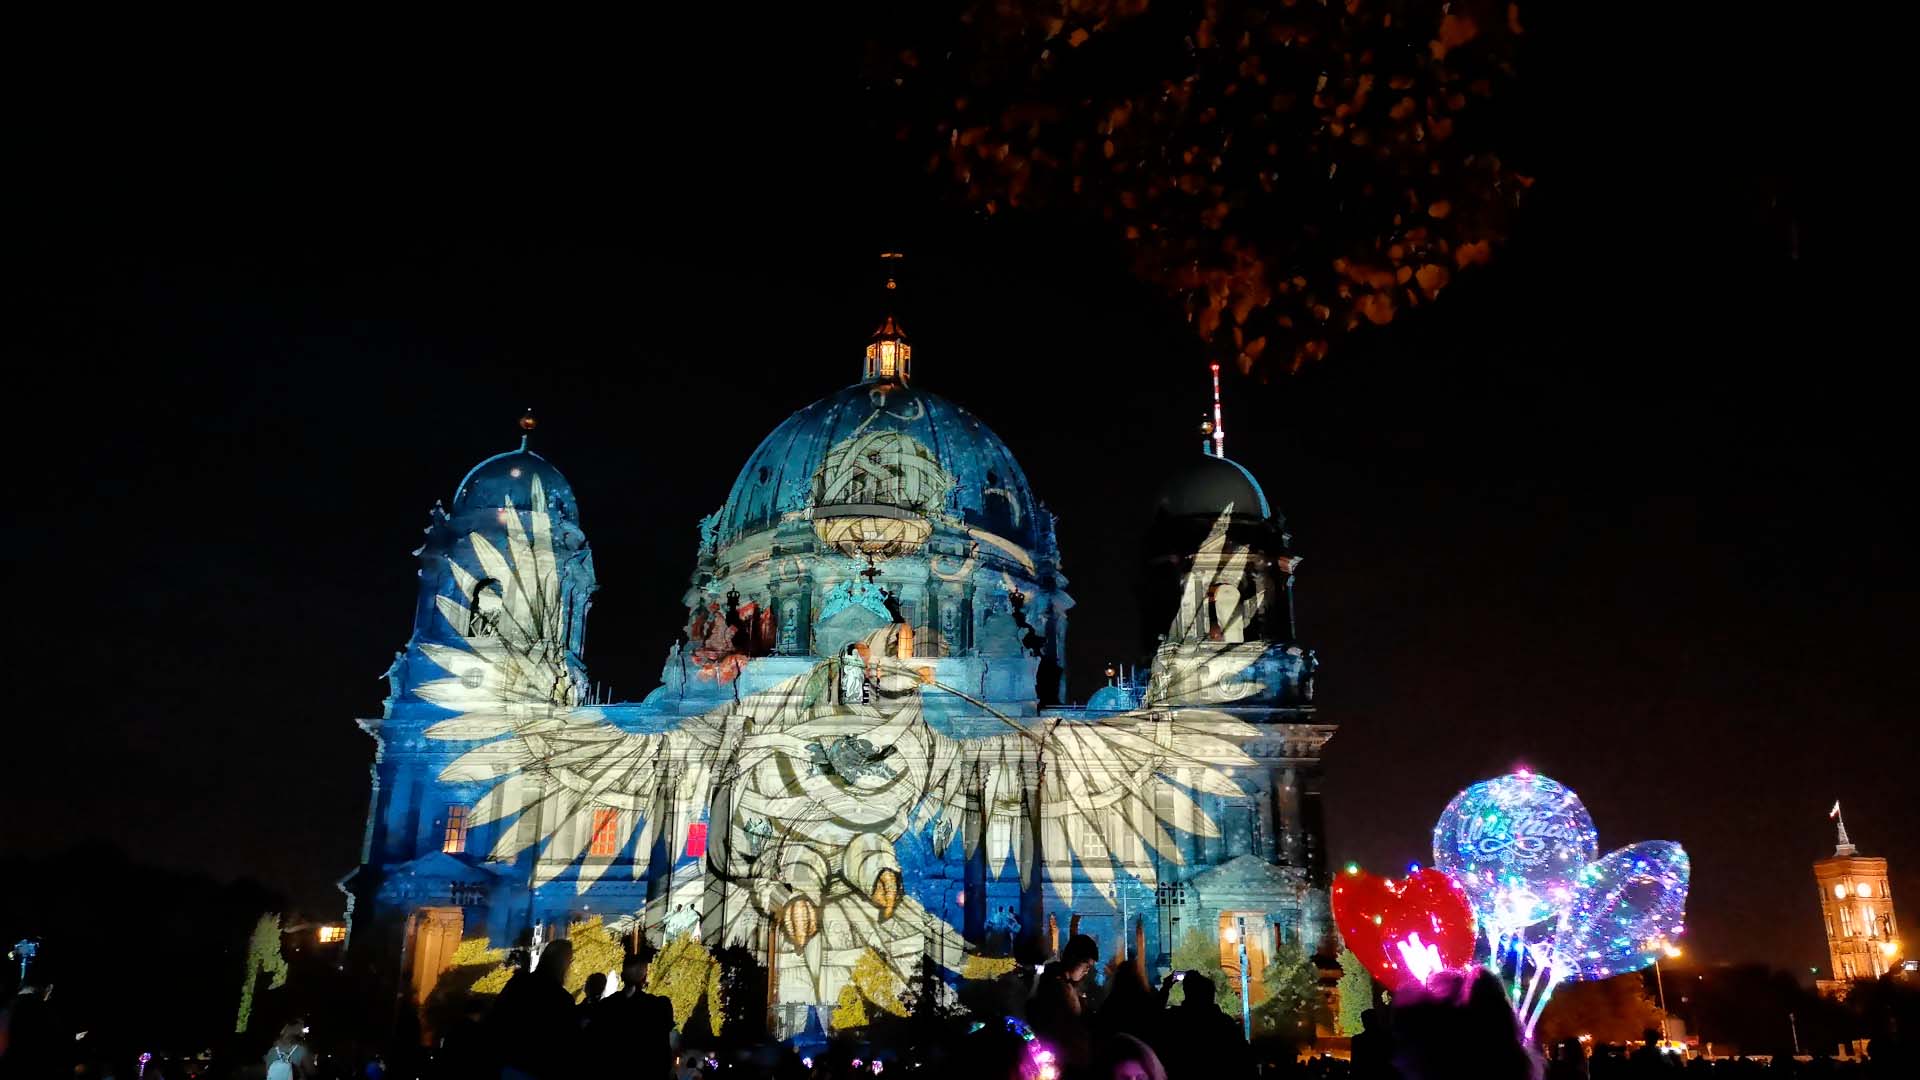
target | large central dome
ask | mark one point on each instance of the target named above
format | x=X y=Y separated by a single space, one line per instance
x=987 y=488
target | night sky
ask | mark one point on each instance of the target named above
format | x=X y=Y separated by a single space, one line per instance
x=1631 y=506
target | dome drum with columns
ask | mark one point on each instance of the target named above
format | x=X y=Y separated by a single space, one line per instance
x=880 y=505
x=858 y=755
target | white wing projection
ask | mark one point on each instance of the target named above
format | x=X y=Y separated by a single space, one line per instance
x=807 y=797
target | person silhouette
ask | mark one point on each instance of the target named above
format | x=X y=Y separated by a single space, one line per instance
x=533 y=1023
x=1058 y=1010
x=1203 y=1041
x=632 y=1031
x=1373 y=1047
x=1459 y=1024
x=1124 y=1057
x=590 y=995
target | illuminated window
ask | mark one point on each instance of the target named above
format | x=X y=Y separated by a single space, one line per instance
x=526 y=827
x=331 y=933
x=999 y=839
x=1829 y=926
x=606 y=838
x=1846 y=966
x=1846 y=922
x=1126 y=825
x=1163 y=803
x=1088 y=842
x=456 y=837
x=1863 y=890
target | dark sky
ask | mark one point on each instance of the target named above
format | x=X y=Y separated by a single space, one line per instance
x=1631 y=506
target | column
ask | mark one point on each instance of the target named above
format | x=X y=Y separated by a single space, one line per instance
x=974 y=919
x=1269 y=842
x=1283 y=783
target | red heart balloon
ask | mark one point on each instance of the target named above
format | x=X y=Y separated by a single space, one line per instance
x=1360 y=901
x=1404 y=931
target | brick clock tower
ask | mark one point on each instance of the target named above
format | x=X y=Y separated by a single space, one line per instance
x=1863 y=937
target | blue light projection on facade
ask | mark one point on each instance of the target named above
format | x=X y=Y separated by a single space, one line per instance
x=857 y=748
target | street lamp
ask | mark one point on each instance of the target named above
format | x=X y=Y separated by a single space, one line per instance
x=1239 y=937
x=1673 y=953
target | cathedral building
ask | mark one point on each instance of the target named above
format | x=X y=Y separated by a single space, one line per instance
x=859 y=754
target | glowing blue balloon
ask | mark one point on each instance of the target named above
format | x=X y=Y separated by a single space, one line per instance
x=1515 y=843
x=1628 y=910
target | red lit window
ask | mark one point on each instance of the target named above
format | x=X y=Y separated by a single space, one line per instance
x=456 y=841
x=606 y=840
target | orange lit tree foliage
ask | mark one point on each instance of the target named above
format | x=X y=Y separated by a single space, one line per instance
x=872 y=991
x=1290 y=170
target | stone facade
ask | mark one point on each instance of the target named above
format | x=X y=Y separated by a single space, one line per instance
x=858 y=747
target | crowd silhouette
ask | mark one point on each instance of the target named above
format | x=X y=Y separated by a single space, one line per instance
x=1061 y=1023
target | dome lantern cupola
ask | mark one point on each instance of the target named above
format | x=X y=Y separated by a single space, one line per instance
x=889 y=357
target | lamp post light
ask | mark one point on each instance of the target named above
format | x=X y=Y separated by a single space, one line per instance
x=1673 y=953
x=1239 y=933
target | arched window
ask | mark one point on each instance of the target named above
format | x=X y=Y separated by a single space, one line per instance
x=1228 y=615
x=454 y=841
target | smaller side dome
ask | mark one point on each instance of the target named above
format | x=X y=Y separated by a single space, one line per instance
x=509 y=476
x=1212 y=519
x=1208 y=485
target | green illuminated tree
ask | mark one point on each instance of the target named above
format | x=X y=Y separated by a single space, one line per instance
x=1356 y=993
x=1201 y=953
x=263 y=957
x=1294 y=1007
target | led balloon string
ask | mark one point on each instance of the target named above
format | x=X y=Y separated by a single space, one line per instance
x=1525 y=852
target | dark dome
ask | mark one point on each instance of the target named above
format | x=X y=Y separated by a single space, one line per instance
x=1208 y=485
x=989 y=490
x=510 y=476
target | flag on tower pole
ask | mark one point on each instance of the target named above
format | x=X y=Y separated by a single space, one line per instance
x=1834 y=814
